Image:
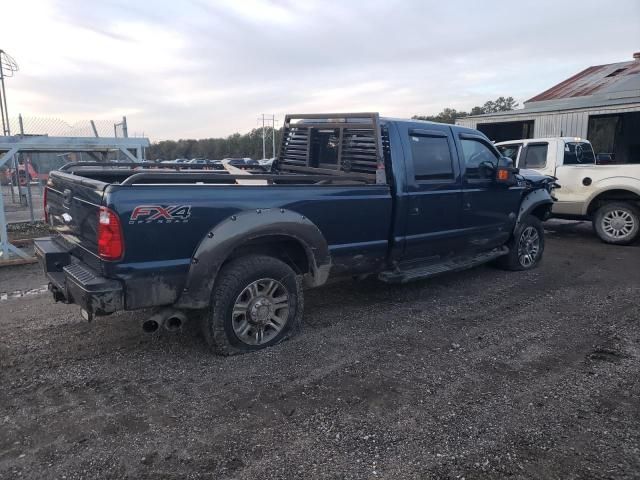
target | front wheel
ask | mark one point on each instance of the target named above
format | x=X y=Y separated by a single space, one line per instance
x=526 y=246
x=617 y=223
x=257 y=302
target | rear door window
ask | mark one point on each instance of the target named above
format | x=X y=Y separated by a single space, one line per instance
x=535 y=155
x=431 y=158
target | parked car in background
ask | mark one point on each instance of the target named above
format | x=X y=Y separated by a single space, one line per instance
x=400 y=199
x=606 y=194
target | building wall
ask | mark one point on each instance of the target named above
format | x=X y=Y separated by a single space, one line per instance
x=571 y=123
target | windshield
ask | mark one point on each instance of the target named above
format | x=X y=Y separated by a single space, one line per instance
x=510 y=151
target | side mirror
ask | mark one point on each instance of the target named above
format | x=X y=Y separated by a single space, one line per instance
x=505 y=171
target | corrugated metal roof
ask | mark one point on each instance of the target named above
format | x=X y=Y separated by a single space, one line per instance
x=597 y=80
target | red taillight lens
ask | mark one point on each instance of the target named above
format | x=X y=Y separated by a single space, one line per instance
x=44 y=201
x=110 y=241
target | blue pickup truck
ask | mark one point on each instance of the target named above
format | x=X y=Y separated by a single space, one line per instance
x=349 y=195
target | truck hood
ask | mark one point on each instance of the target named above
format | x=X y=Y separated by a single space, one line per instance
x=535 y=178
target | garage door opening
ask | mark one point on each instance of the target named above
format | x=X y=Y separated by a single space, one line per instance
x=615 y=137
x=501 y=132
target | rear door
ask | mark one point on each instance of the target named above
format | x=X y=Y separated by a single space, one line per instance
x=73 y=205
x=434 y=193
x=489 y=208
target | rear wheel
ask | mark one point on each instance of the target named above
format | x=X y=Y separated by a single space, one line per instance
x=526 y=246
x=257 y=302
x=617 y=223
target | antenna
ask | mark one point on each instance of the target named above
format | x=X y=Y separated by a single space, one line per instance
x=8 y=66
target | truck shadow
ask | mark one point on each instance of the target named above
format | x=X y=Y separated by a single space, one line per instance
x=576 y=230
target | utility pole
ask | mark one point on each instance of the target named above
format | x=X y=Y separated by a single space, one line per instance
x=264 y=145
x=8 y=67
x=273 y=133
x=265 y=122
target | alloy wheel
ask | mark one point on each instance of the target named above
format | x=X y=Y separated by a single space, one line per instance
x=528 y=246
x=260 y=312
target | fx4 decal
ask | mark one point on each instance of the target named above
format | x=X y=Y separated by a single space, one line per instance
x=160 y=214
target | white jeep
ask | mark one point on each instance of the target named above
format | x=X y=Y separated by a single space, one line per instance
x=608 y=195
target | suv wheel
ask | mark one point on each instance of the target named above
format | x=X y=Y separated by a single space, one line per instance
x=526 y=246
x=617 y=223
x=257 y=302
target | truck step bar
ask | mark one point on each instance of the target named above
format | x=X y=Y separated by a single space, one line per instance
x=432 y=269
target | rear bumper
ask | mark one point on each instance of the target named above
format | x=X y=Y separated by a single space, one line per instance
x=72 y=281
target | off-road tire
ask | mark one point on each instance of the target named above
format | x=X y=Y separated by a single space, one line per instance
x=512 y=261
x=607 y=209
x=234 y=277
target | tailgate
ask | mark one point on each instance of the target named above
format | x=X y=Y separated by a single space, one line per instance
x=73 y=205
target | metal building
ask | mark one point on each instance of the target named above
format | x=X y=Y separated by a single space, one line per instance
x=601 y=103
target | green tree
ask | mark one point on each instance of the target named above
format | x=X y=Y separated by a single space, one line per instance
x=500 y=104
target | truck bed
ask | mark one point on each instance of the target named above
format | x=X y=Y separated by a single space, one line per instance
x=162 y=247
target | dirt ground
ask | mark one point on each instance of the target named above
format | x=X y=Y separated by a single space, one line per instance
x=480 y=374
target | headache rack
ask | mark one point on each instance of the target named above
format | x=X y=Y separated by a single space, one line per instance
x=333 y=144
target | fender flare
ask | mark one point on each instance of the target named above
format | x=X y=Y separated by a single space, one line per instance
x=220 y=242
x=531 y=201
x=631 y=185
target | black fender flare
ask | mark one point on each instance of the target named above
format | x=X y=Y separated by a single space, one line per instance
x=219 y=243
x=531 y=201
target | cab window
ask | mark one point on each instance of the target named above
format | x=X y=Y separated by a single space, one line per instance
x=578 y=153
x=476 y=156
x=535 y=156
x=431 y=158
x=510 y=151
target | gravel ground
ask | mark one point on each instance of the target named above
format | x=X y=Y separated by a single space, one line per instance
x=481 y=374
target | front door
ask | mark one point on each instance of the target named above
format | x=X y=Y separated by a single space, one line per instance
x=489 y=208
x=434 y=191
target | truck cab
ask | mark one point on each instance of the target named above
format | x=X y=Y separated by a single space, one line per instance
x=606 y=194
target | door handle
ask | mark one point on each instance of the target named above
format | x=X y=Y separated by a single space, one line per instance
x=414 y=211
x=467 y=205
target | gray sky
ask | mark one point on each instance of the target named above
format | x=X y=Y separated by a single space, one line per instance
x=203 y=68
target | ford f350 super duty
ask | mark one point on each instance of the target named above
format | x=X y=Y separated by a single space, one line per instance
x=348 y=195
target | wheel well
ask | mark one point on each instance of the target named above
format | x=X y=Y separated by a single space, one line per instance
x=287 y=249
x=541 y=211
x=612 y=195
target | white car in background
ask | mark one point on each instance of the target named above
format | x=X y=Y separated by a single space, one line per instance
x=608 y=195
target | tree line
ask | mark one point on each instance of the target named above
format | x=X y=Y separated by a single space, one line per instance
x=234 y=146
x=450 y=115
x=250 y=144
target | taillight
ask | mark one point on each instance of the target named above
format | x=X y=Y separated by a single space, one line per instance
x=110 y=241
x=44 y=202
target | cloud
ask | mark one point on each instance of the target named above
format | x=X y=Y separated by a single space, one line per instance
x=204 y=68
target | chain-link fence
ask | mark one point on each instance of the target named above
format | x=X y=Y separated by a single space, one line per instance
x=56 y=127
